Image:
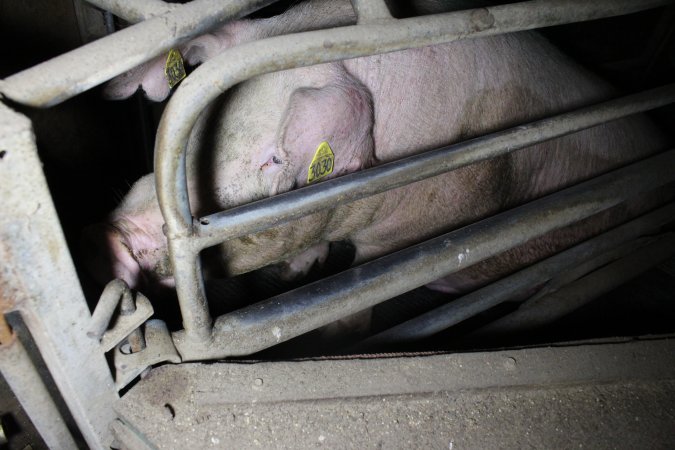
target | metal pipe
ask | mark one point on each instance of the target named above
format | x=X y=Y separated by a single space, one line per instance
x=72 y=73
x=106 y=306
x=194 y=307
x=371 y=11
x=267 y=213
x=288 y=315
x=24 y=380
x=135 y=339
x=134 y=11
x=545 y=310
x=520 y=283
x=302 y=49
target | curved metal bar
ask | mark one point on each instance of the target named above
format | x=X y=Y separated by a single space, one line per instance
x=303 y=49
x=72 y=73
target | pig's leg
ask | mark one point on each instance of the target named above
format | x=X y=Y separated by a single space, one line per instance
x=300 y=265
x=303 y=17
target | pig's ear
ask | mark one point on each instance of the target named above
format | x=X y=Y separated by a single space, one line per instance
x=340 y=114
x=150 y=76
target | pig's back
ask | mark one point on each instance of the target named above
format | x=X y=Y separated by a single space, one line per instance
x=430 y=97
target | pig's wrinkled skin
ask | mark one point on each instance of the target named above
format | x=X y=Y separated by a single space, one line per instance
x=259 y=140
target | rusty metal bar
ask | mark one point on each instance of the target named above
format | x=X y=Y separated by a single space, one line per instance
x=303 y=49
x=134 y=11
x=72 y=73
x=39 y=276
x=24 y=380
x=520 y=283
x=288 y=315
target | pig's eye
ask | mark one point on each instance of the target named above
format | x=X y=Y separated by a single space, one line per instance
x=271 y=162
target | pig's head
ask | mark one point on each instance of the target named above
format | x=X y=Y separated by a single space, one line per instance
x=263 y=141
x=131 y=244
x=258 y=141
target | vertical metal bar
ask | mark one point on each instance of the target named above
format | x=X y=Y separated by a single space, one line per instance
x=22 y=377
x=39 y=276
x=371 y=10
x=190 y=285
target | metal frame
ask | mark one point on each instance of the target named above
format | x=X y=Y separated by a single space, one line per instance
x=43 y=286
x=284 y=52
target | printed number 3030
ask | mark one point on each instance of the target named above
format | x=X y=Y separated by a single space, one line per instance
x=321 y=168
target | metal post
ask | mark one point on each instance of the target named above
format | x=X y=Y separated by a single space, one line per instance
x=22 y=377
x=39 y=278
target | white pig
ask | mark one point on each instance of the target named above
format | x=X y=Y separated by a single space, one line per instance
x=259 y=140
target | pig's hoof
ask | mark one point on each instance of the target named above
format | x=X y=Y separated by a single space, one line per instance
x=300 y=265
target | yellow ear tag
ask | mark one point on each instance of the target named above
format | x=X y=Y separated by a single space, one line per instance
x=322 y=163
x=174 y=69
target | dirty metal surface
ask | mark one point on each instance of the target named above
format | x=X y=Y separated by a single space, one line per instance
x=39 y=280
x=611 y=395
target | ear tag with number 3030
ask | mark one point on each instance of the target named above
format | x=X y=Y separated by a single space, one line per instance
x=174 y=69
x=322 y=163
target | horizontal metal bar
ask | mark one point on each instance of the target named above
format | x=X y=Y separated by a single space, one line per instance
x=288 y=315
x=25 y=382
x=134 y=11
x=303 y=49
x=520 y=283
x=268 y=213
x=72 y=73
x=546 y=310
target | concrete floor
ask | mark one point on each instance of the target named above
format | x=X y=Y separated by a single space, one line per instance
x=600 y=395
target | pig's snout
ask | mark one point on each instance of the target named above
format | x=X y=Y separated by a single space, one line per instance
x=108 y=256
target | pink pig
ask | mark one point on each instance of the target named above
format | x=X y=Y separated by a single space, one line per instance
x=260 y=138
